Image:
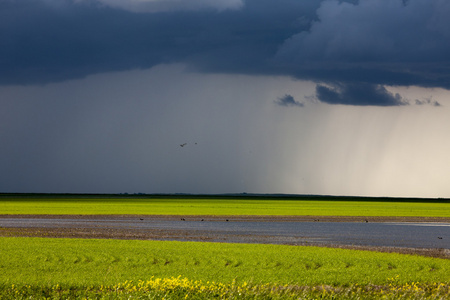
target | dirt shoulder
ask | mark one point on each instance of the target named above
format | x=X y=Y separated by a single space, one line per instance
x=242 y=218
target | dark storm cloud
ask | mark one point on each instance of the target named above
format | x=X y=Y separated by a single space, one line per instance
x=378 y=42
x=427 y=101
x=359 y=94
x=288 y=100
x=44 y=42
x=172 y=5
x=342 y=43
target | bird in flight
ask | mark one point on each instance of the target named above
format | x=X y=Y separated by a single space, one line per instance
x=182 y=145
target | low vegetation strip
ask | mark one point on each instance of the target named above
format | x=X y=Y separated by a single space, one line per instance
x=183 y=288
x=43 y=262
x=251 y=206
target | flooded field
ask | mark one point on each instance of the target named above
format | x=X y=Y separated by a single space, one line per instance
x=430 y=235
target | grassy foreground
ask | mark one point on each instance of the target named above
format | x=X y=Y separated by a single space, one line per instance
x=183 y=288
x=61 y=268
x=303 y=206
x=42 y=268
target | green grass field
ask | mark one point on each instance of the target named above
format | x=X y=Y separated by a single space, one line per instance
x=89 y=264
x=223 y=206
x=50 y=268
x=91 y=261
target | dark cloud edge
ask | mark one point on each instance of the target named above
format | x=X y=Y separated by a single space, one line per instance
x=52 y=45
x=288 y=100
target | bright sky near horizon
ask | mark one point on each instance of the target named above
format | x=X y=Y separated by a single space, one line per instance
x=259 y=96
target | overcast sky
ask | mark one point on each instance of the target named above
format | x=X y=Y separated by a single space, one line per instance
x=225 y=96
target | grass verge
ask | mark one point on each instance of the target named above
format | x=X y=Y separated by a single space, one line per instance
x=91 y=262
x=83 y=205
x=183 y=288
x=43 y=268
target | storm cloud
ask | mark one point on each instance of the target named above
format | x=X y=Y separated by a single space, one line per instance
x=288 y=100
x=173 y=5
x=359 y=94
x=345 y=43
x=48 y=41
x=379 y=42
